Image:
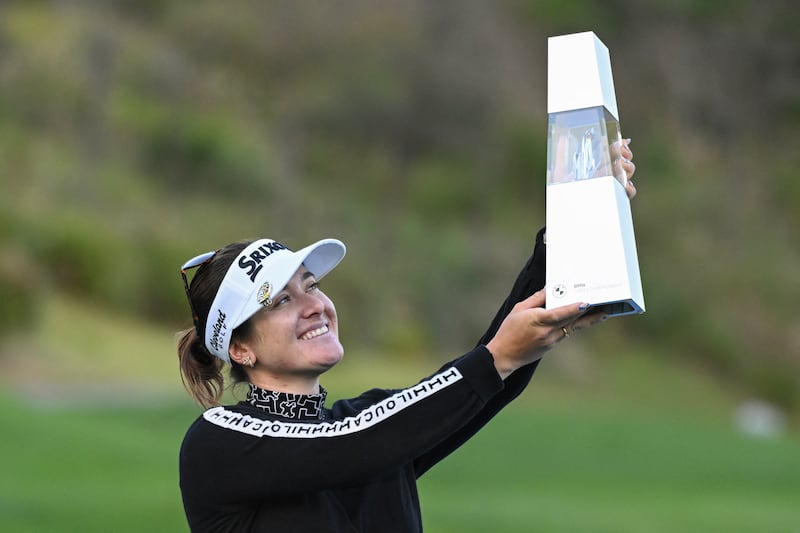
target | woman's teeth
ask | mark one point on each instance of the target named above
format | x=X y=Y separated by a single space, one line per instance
x=314 y=333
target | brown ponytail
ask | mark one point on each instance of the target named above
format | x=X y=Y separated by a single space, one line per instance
x=201 y=371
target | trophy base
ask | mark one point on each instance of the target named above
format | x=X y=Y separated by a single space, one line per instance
x=627 y=307
x=591 y=247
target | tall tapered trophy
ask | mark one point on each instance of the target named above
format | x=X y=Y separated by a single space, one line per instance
x=591 y=247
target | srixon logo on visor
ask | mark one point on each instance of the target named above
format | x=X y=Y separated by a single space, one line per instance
x=251 y=263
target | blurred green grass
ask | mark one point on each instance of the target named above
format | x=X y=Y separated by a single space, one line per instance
x=629 y=443
x=94 y=469
x=90 y=469
x=594 y=470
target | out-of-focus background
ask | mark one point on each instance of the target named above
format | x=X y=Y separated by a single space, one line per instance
x=136 y=134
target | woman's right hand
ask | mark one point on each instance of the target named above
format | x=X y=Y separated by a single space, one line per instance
x=622 y=156
x=529 y=331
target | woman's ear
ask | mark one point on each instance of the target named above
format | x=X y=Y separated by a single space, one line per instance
x=240 y=353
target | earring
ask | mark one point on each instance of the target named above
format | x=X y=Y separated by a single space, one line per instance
x=247 y=362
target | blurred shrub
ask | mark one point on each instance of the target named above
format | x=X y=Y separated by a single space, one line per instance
x=160 y=295
x=191 y=152
x=441 y=190
x=81 y=257
x=132 y=274
x=20 y=291
x=774 y=384
x=20 y=280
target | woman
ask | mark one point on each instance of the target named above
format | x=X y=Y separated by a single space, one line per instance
x=282 y=461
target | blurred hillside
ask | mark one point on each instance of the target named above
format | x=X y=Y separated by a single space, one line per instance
x=134 y=135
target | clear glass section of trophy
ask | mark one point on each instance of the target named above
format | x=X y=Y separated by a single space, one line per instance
x=583 y=144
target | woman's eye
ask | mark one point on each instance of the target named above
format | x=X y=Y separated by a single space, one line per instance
x=313 y=287
x=281 y=300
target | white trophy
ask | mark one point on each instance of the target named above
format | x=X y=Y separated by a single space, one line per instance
x=591 y=248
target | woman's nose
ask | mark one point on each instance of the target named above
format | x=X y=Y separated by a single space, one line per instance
x=312 y=305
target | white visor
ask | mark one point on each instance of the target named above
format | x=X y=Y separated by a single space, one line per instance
x=257 y=274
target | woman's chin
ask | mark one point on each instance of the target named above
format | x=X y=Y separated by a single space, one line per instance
x=328 y=358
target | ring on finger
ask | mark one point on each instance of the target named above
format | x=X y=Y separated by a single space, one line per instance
x=564 y=331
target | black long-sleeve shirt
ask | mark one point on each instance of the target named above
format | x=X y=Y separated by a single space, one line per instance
x=350 y=468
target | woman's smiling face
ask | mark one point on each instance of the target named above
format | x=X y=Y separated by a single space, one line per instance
x=295 y=338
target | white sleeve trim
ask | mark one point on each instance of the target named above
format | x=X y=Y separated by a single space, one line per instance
x=374 y=414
